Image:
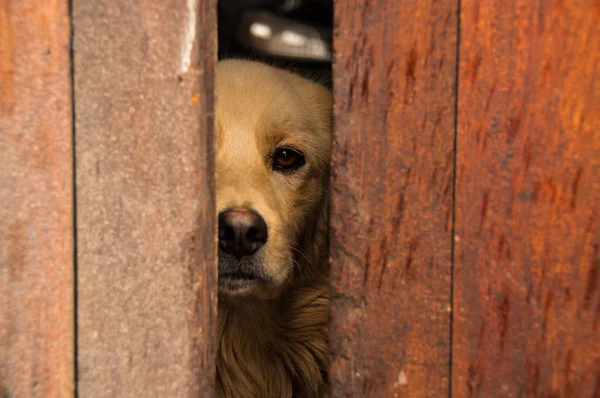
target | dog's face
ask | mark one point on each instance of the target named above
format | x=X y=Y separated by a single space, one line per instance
x=273 y=146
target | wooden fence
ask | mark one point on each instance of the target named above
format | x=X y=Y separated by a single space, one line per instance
x=465 y=230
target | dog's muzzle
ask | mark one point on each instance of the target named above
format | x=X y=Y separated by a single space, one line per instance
x=242 y=232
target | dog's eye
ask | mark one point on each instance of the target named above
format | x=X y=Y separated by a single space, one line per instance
x=286 y=159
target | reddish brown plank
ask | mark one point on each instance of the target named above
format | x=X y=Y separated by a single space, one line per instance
x=527 y=276
x=36 y=212
x=392 y=197
x=145 y=197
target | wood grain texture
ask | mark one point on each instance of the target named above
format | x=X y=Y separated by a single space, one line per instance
x=145 y=197
x=394 y=91
x=527 y=276
x=36 y=201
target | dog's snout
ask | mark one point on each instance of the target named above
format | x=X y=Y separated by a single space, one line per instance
x=241 y=232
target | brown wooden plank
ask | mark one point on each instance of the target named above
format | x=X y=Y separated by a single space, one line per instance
x=145 y=197
x=527 y=276
x=36 y=197
x=392 y=197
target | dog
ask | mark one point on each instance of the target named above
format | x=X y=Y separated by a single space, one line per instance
x=272 y=170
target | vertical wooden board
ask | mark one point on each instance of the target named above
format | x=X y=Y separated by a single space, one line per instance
x=392 y=176
x=145 y=197
x=527 y=272
x=36 y=198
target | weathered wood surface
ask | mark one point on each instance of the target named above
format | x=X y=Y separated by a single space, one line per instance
x=394 y=88
x=36 y=198
x=145 y=197
x=527 y=271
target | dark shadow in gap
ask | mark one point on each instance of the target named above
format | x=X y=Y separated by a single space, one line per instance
x=292 y=34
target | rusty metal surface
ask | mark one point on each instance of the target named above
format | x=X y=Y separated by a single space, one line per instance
x=392 y=197
x=36 y=228
x=527 y=281
x=145 y=197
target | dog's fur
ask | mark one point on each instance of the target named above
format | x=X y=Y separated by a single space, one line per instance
x=273 y=334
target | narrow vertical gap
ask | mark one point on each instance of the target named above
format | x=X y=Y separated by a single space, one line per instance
x=453 y=235
x=74 y=202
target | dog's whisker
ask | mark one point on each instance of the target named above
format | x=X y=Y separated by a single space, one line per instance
x=301 y=253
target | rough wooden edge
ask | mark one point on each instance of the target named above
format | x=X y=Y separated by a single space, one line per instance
x=145 y=195
x=36 y=215
x=392 y=177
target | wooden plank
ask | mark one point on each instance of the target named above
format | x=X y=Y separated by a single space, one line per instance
x=527 y=276
x=394 y=83
x=145 y=197
x=36 y=196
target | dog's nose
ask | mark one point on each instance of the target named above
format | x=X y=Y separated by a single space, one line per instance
x=241 y=232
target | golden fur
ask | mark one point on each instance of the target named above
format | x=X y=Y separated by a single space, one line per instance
x=273 y=336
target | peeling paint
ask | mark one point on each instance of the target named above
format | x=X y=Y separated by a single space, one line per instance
x=189 y=37
x=402 y=380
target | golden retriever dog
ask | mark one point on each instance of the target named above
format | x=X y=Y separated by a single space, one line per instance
x=273 y=146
